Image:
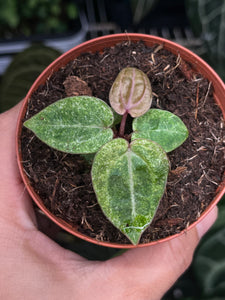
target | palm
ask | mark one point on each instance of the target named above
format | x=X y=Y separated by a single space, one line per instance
x=26 y=254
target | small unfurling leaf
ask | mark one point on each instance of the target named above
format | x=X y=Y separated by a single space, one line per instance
x=131 y=93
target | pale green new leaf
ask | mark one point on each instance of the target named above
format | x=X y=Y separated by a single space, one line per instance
x=131 y=92
x=74 y=124
x=129 y=181
x=161 y=126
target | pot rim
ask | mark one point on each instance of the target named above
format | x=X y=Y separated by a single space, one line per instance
x=100 y=43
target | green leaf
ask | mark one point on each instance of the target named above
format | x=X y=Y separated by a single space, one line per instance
x=209 y=264
x=131 y=92
x=129 y=181
x=9 y=14
x=160 y=126
x=89 y=157
x=207 y=18
x=141 y=9
x=209 y=260
x=74 y=124
x=22 y=72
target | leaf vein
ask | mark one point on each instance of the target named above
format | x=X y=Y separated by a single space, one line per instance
x=131 y=181
x=76 y=126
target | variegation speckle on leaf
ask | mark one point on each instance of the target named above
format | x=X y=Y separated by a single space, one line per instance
x=74 y=125
x=129 y=181
x=161 y=126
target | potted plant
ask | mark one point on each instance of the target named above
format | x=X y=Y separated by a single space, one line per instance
x=192 y=185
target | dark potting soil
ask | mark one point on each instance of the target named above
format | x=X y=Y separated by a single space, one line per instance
x=63 y=181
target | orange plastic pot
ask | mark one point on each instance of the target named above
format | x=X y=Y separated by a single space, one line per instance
x=99 y=44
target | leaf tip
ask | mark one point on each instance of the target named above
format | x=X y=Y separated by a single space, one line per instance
x=133 y=234
x=28 y=124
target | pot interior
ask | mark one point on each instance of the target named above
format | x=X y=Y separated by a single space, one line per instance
x=98 y=45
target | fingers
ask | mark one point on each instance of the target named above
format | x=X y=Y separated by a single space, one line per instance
x=207 y=222
x=149 y=272
x=8 y=122
x=15 y=204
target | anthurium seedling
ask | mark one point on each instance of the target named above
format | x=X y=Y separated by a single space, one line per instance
x=129 y=175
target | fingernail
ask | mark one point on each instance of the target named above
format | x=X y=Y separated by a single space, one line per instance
x=207 y=222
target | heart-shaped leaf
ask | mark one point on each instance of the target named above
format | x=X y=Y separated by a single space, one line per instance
x=129 y=181
x=131 y=92
x=161 y=126
x=74 y=125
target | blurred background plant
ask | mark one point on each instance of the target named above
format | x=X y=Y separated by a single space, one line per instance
x=31 y=17
x=22 y=72
x=207 y=19
x=196 y=24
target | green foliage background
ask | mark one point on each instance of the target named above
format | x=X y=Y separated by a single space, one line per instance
x=23 y=18
x=207 y=19
x=22 y=72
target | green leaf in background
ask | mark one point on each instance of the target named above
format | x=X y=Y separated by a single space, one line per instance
x=209 y=260
x=8 y=14
x=129 y=181
x=22 y=72
x=74 y=124
x=162 y=127
x=131 y=92
x=19 y=18
x=141 y=8
x=72 y=11
x=208 y=21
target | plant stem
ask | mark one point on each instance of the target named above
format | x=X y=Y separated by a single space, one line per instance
x=122 y=125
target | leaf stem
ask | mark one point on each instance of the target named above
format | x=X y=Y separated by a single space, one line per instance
x=122 y=124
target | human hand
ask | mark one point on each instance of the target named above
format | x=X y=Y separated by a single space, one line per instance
x=35 y=267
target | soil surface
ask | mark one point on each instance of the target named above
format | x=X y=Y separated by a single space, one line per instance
x=63 y=181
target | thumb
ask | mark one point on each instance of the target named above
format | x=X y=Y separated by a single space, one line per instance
x=15 y=204
x=153 y=270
